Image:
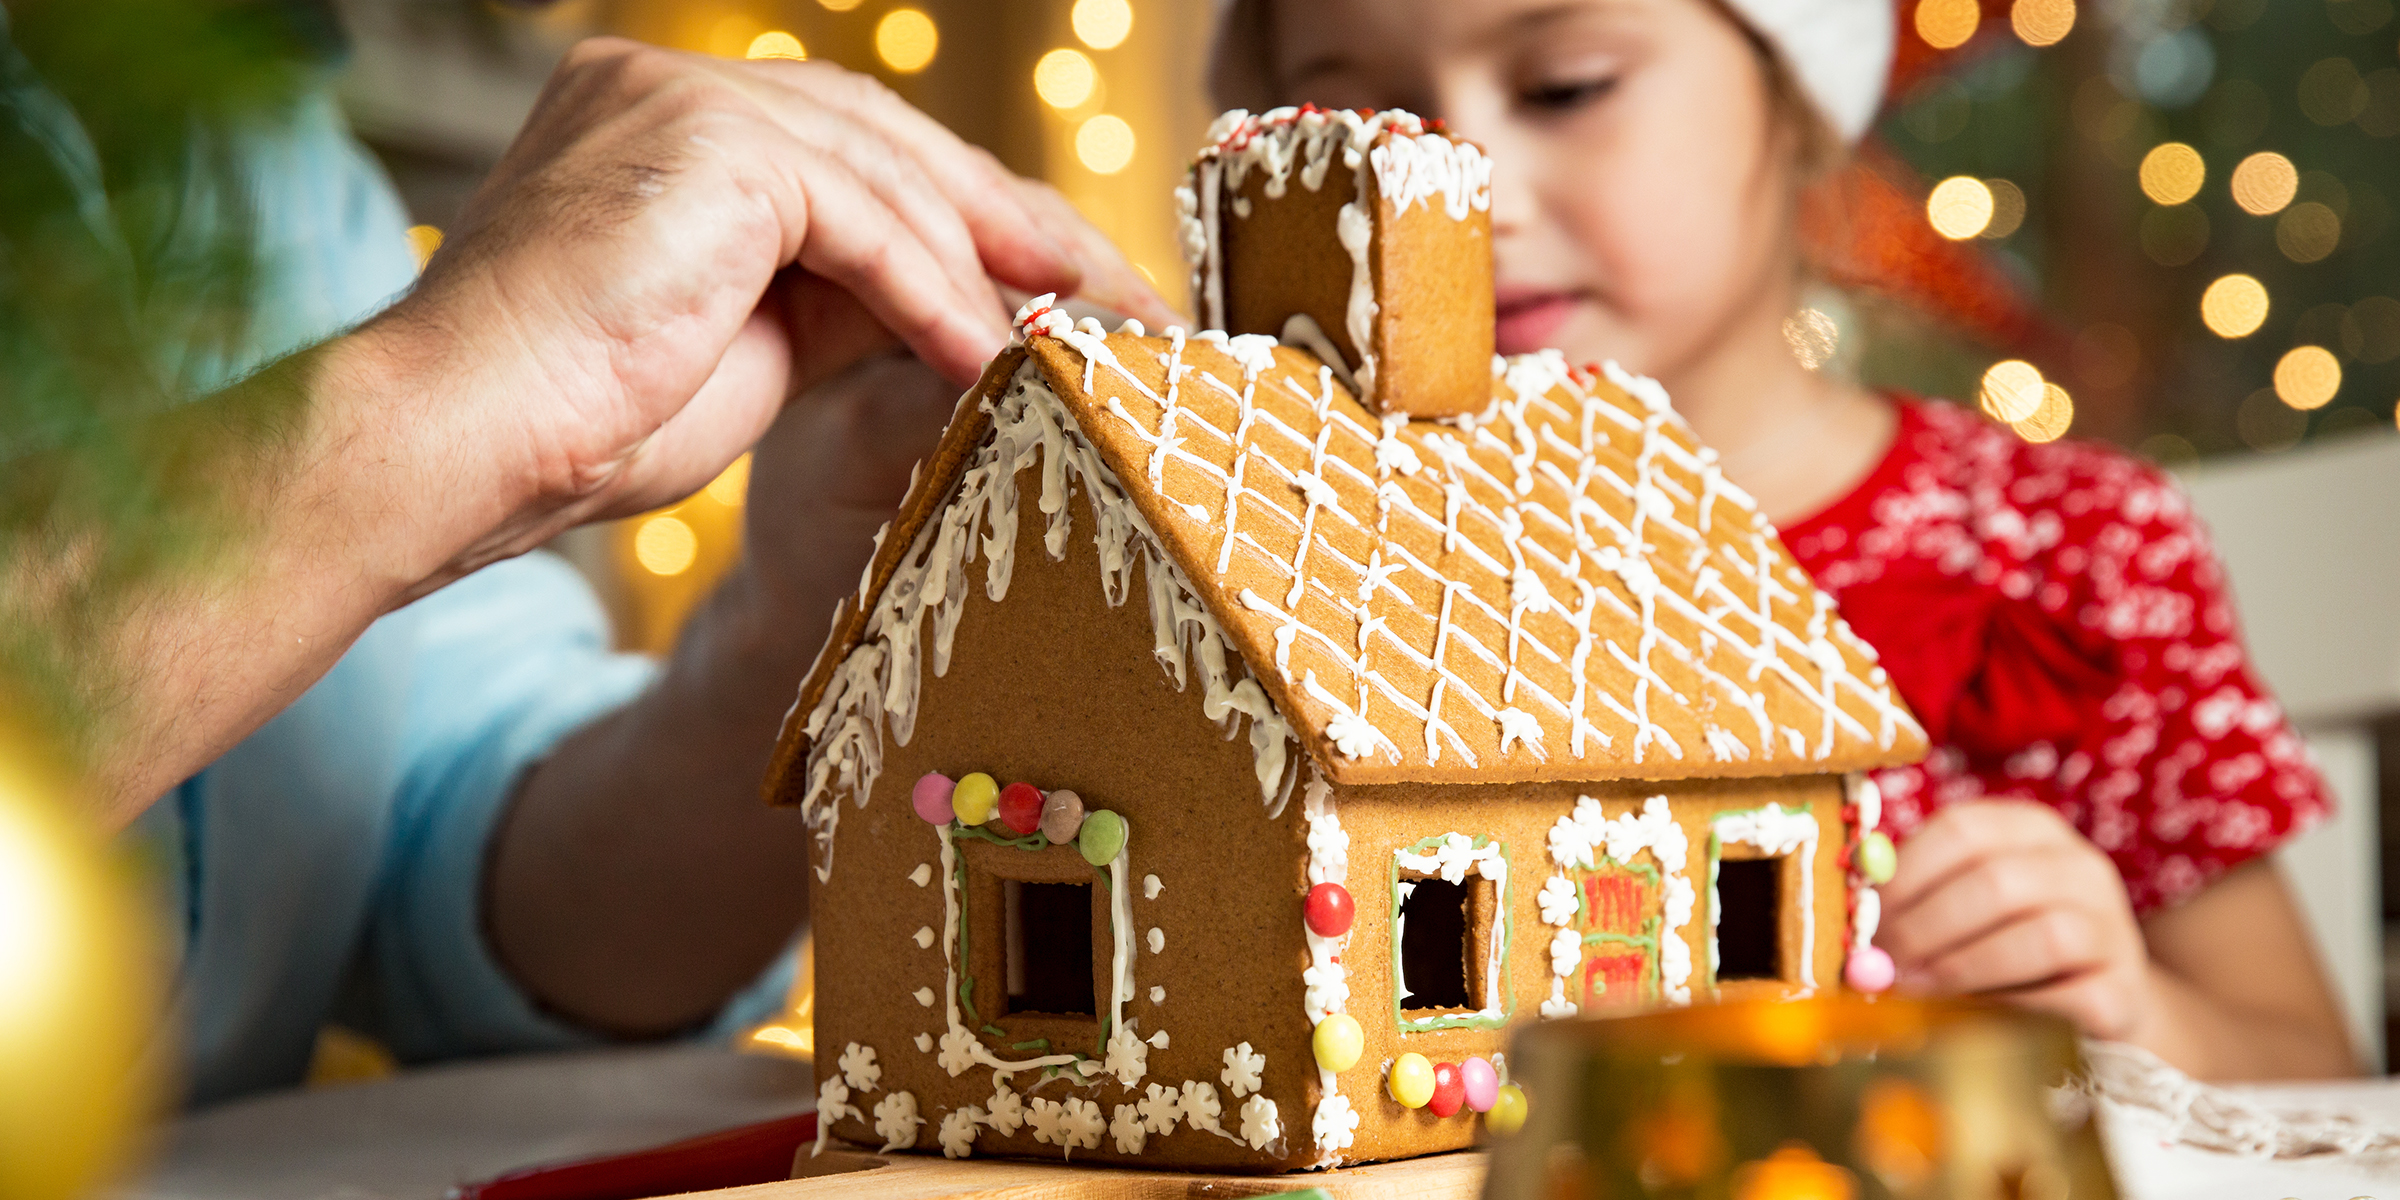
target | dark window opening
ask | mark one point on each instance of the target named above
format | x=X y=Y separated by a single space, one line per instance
x=1434 y=944
x=1048 y=948
x=1750 y=918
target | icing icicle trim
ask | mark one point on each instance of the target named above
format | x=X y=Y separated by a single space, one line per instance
x=877 y=684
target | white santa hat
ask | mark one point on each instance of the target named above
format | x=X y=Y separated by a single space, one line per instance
x=1840 y=52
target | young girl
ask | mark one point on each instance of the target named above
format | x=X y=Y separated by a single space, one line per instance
x=2086 y=838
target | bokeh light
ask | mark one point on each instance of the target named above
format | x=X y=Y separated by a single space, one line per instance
x=2332 y=92
x=423 y=240
x=775 y=43
x=1813 y=337
x=906 y=40
x=732 y=487
x=1959 y=207
x=2042 y=22
x=1947 y=24
x=2050 y=418
x=1104 y=144
x=2264 y=183
x=2307 y=232
x=839 y=5
x=2307 y=377
x=2012 y=390
x=2268 y=425
x=2370 y=331
x=1065 y=79
x=665 y=546
x=2008 y=209
x=2234 y=306
x=2172 y=173
x=1103 y=24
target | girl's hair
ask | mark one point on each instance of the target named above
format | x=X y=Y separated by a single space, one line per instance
x=1241 y=75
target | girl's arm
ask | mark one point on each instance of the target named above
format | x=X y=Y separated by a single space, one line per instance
x=2005 y=899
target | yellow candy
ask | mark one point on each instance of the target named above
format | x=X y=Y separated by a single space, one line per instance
x=1508 y=1112
x=975 y=798
x=1412 y=1080
x=1338 y=1042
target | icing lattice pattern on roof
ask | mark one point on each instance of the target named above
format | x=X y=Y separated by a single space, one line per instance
x=1563 y=587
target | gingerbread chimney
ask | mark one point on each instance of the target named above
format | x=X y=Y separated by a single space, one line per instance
x=1380 y=260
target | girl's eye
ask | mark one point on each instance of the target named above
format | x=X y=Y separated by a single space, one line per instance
x=1567 y=95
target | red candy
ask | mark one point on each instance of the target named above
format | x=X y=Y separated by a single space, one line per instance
x=1449 y=1090
x=1330 y=910
x=1021 y=808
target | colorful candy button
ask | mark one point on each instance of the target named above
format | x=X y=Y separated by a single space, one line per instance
x=1876 y=857
x=1329 y=910
x=1062 y=816
x=1338 y=1042
x=1869 y=970
x=1102 y=836
x=1021 y=808
x=1412 y=1080
x=972 y=800
x=1482 y=1083
x=931 y=798
x=1508 y=1111
x=1449 y=1091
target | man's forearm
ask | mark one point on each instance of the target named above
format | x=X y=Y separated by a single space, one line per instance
x=639 y=879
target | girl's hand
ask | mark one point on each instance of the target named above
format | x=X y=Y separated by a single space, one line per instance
x=2004 y=898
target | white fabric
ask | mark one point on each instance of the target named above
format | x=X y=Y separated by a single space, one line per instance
x=1840 y=51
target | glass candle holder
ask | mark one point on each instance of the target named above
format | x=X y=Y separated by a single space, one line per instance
x=1828 y=1098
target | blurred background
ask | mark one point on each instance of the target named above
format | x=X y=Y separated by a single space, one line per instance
x=2168 y=224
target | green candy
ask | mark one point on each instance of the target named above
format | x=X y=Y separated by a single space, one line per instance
x=1876 y=857
x=1102 y=836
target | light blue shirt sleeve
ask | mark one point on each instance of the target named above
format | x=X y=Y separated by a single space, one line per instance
x=509 y=662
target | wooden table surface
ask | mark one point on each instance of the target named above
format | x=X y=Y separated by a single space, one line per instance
x=866 y=1176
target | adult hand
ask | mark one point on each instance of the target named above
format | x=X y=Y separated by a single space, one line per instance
x=2005 y=898
x=676 y=243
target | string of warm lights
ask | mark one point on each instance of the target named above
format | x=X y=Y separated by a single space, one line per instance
x=2308 y=208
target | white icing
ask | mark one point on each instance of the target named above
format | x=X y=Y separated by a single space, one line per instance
x=1127 y=1129
x=1260 y=1125
x=1775 y=831
x=1128 y=1056
x=1005 y=1111
x=1407 y=164
x=1151 y=887
x=897 y=1120
x=833 y=1104
x=1865 y=918
x=859 y=1068
x=924 y=1043
x=1577 y=841
x=1158 y=994
x=1868 y=797
x=1334 y=1126
x=1158 y=939
x=958 y=1131
x=924 y=937
x=1201 y=1109
x=1075 y=1124
x=1158 y=1041
x=877 y=683
x=925 y=996
x=1450 y=860
x=1161 y=1108
x=922 y=875
x=1244 y=1069
x=1557 y=900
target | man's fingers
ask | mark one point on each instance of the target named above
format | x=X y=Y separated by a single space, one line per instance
x=1108 y=279
x=830 y=330
x=1016 y=245
x=857 y=241
x=731 y=410
x=2035 y=948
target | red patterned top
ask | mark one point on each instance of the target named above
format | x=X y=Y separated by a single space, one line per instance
x=2055 y=617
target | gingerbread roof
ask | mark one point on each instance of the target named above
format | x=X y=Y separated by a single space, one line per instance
x=1561 y=587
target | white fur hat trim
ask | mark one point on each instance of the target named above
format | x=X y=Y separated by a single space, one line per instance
x=1839 y=50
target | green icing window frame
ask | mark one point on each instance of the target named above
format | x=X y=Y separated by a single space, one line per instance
x=1502 y=927
x=1030 y=843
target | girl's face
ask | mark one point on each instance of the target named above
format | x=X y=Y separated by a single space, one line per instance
x=1642 y=186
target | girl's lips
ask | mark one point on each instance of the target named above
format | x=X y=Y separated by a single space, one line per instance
x=1526 y=320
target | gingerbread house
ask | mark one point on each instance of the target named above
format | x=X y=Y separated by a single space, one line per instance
x=1237 y=732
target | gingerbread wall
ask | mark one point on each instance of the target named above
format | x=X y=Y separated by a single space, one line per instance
x=1520 y=819
x=1055 y=687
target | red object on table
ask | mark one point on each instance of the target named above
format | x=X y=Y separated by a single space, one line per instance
x=746 y=1154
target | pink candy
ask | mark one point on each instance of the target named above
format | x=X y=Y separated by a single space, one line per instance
x=1869 y=970
x=931 y=798
x=1483 y=1084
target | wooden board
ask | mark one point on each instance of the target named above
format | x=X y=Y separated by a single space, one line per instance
x=867 y=1176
